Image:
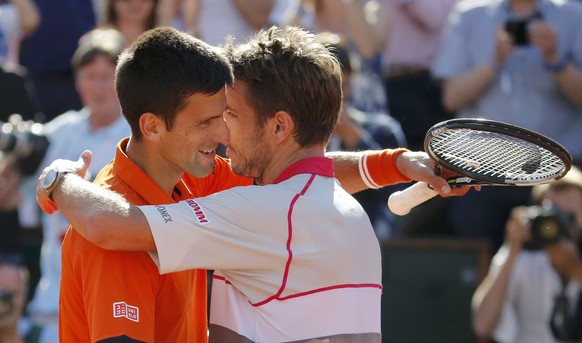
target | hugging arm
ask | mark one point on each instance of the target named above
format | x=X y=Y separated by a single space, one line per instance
x=101 y=216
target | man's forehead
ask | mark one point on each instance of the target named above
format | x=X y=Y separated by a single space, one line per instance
x=235 y=94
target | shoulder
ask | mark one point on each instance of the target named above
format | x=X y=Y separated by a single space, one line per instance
x=68 y=120
x=475 y=8
x=107 y=178
x=571 y=9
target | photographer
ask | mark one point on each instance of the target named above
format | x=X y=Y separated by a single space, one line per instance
x=532 y=292
x=13 y=291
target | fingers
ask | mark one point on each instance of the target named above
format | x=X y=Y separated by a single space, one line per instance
x=440 y=185
x=83 y=163
x=47 y=205
x=80 y=167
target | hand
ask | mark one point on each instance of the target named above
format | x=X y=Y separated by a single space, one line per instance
x=418 y=166
x=564 y=258
x=545 y=37
x=503 y=47
x=517 y=229
x=79 y=167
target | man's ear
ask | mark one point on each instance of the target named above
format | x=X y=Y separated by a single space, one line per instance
x=282 y=126
x=150 y=126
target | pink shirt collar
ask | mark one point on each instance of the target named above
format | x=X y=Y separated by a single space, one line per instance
x=313 y=165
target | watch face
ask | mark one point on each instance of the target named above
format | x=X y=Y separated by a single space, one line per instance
x=50 y=178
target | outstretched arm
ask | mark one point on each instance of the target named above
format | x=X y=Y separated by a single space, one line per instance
x=96 y=213
x=361 y=170
x=106 y=219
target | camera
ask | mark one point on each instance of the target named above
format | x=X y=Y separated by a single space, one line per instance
x=25 y=144
x=548 y=226
x=518 y=29
x=6 y=303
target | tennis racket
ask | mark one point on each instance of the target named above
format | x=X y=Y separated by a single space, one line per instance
x=488 y=153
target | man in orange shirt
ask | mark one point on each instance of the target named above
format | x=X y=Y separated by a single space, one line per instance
x=171 y=89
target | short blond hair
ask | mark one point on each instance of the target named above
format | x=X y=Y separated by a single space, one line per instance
x=572 y=179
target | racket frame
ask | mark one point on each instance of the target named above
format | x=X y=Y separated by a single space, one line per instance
x=466 y=177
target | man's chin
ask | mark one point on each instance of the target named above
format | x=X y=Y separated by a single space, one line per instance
x=201 y=172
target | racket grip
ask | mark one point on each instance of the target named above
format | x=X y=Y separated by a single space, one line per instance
x=401 y=202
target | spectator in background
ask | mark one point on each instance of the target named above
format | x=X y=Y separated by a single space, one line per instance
x=358 y=131
x=97 y=126
x=217 y=19
x=365 y=24
x=534 y=83
x=525 y=296
x=414 y=96
x=130 y=17
x=179 y=14
x=18 y=18
x=47 y=52
x=13 y=290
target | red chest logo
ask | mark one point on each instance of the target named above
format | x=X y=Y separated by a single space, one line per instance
x=198 y=212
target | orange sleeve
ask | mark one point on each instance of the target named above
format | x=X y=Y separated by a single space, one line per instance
x=378 y=168
x=119 y=289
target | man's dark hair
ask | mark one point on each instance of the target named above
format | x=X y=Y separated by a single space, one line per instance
x=288 y=70
x=162 y=69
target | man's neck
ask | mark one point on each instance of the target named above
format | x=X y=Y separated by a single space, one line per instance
x=10 y=336
x=523 y=7
x=286 y=157
x=153 y=165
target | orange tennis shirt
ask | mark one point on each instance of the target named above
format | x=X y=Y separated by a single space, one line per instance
x=107 y=294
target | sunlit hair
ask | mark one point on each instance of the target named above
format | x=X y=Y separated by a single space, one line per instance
x=289 y=70
x=572 y=179
x=337 y=45
x=162 y=69
x=98 y=42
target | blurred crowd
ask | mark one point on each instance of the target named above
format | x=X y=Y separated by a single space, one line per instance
x=407 y=65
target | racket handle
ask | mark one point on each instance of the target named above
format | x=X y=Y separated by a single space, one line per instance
x=401 y=202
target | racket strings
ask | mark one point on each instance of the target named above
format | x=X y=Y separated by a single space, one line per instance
x=496 y=156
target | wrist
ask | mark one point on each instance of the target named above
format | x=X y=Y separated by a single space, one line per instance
x=378 y=168
x=53 y=179
x=556 y=66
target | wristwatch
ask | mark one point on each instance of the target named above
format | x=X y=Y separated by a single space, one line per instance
x=52 y=179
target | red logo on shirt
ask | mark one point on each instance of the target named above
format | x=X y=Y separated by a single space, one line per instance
x=121 y=309
x=197 y=211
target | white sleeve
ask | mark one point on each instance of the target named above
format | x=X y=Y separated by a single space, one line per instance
x=9 y=21
x=212 y=233
x=508 y=325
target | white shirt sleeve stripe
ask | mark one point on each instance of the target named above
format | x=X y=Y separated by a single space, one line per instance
x=365 y=174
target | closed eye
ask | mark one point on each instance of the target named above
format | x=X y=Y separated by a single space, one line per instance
x=230 y=114
x=208 y=121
